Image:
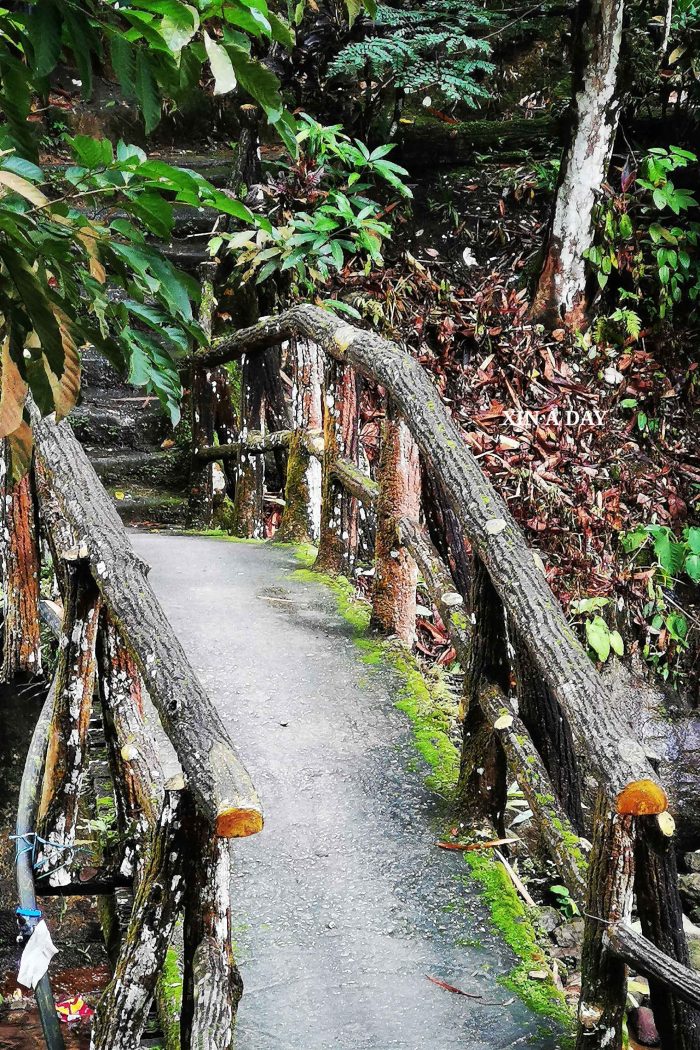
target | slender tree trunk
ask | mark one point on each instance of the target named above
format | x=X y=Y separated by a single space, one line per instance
x=601 y=1007
x=337 y=549
x=301 y=520
x=661 y=915
x=561 y=293
x=21 y=570
x=65 y=757
x=202 y=407
x=395 y=570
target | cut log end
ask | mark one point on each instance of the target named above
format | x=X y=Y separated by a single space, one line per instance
x=238 y=823
x=642 y=798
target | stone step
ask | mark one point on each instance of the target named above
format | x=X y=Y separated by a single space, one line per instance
x=139 y=504
x=127 y=422
x=161 y=468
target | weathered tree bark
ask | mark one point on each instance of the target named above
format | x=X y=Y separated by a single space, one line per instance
x=446 y=532
x=212 y=985
x=255 y=444
x=614 y=756
x=601 y=1007
x=61 y=537
x=550 y=733
x=358 y=484
x=559 y=838
x=646 y=958
x=65 y=757
x=123 y=1010
x=441 y=588
x=220 y=782
x=202 y=411
x=138 y=770
x=338 y=541
x=250 y=472
x=482 y=769
x=661 y=915
x=20 y=572
x=301 y=520
x=561 y=294
x=395 y=569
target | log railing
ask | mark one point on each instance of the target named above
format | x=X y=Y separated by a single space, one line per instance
x=115 y=643
x=562 y=728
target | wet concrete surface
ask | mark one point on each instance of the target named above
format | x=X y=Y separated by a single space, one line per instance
x=343 y=904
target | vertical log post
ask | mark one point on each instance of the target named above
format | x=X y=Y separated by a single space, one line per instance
x=202 y=411
x=661 y=915
x=395 y=570
x=250 y=470
x=212 y=985
x=337 y=547
x=20 y=567
x=123 y=1010
x=301 y=520
x=65 y=757
x=482 y=771
x=601 y=1007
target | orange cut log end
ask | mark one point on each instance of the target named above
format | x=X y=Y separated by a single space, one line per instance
x=238 y=823
x=642 y=798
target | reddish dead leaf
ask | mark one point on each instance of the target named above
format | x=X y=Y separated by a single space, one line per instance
x=452 y=988
x=469 y=847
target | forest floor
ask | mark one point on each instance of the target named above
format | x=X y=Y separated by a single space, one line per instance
x=344 y=907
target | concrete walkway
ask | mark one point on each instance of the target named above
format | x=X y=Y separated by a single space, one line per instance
x=343 y=904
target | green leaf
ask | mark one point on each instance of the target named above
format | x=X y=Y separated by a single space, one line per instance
x=146 y=91
x=123 y=56
x=616 y=642
x=281 y=31
x=598 y=637
x=692 y=567
x=221 y=66
x=259 y=82
x=45 y=25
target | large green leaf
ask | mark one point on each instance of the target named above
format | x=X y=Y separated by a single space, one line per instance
x=259 y=81
x=45 y=25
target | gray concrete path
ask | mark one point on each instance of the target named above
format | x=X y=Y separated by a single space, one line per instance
x=343 y=904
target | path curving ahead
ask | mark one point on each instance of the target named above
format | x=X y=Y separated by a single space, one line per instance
x=343 y=904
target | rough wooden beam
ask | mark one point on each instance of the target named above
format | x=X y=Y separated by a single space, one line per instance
x=339 y=533
x=618 y=760
x=66 y=753
x=123 y=1010
x=254 y=444
x=20 y=572
x=220 y=782
x=395 y=569
x=643 y=955
x=301 y=519
x=203 y=393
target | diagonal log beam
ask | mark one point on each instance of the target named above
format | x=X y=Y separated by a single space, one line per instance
x=618 y=760
x=219 y=780
x=642 y=954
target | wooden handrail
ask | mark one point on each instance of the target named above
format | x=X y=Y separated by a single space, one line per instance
x=618 y=760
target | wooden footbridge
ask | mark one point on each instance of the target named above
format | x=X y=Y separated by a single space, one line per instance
x=534 y=706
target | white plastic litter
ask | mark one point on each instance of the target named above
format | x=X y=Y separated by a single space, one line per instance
x=38 y=953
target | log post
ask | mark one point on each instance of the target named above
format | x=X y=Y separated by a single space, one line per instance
x=65 y=757
x=482 y=770
x=550 y=732
x=202 y=410
x=395 y=570
x=212 y=985
x=137 y=764
x=250 y=470
x=338 y=541
x=661 y=915
x=601 y=1007
x=20 y=571
x=123 y=1010
x=301 y=520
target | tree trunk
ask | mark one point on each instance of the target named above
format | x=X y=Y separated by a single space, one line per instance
x=21 y=570
x=123 y=1010
x=212 y=985
x=301 y=520
x=561 y=293
x=202 y=409
x=661 y=915
x=65 y=757
x=395 y=570
x=601 y=1007
x=337 y=547
x=250 y=473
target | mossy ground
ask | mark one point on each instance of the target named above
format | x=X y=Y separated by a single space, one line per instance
x=430 y=709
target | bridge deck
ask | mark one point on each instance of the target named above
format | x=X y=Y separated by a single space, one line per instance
x=343 y=904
